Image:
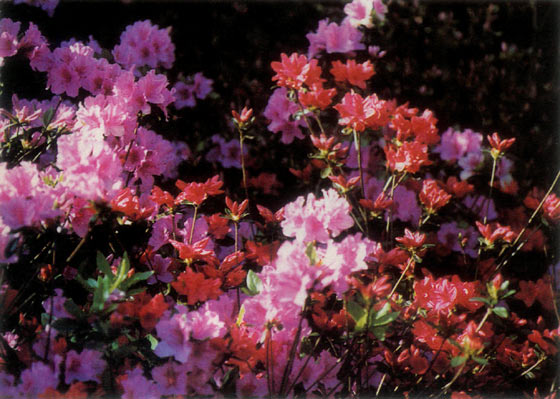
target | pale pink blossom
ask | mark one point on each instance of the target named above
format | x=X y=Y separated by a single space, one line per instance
x=145 y=44
x=334 y=38
x=206 y=324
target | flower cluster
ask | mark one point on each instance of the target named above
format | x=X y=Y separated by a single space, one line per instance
x=396 y=267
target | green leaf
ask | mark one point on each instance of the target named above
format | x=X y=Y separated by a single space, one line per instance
x=240 y=316
x=480 y=360
x=311 y=253
x=501 y=311
x=504 y=285
x=66 y=326
x=71 y=307
x=385 y=319
x=325 y=172
x=254 y=283
x=124 y=267
x=458 y=360
x=153 y=341
x=103 y=265
x=136 y=278
x=479 y=299
x=136 y=291
x=380 y=332
x=508 y=294
x=358 y=313
x=101 y=293
x=89 y=284
x=48 y=117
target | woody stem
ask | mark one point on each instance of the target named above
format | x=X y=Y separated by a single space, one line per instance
x=535 y=212
x=192 y=224
x=242 y=156
x=488 y=311
x=401 y=277
x=358 y=145
x=491 y=188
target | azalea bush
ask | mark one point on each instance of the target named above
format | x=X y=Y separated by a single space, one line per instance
x=331 y=240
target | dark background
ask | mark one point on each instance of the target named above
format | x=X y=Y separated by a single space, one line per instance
x=446 y=56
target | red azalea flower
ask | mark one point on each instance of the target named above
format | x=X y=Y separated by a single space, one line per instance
x=551 y=208
x=499 y=146
x=151 y=312
x=217 y=225
x=411 y=240
x=343 y=184
x=196 y=287
x=196 y=193
x=266 y=182
x=244 y=118
x=270 y=217
x=317 y=97
x=129 y=204
x=293 y=71
x=236 y=210
x=409 y=157
x=262 y=253
x=540 y=291
x=458 y=188
x=432 y=196
x=354 y=111
x=353 y=73
x=196 y=251
x=161 y=197
x=424 y=128
x=495 y=231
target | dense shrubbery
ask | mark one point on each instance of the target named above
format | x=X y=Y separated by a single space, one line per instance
x=297 y=225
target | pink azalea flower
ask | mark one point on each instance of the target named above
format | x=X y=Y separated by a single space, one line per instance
x=37 y=378
x=7 y=385
x=91 y=168
x=479 y=205
x=358 y=12
x=184 y=95
x=159 y=265
x=206 y=324
x=451 y=235
x=334 y=38
x=8 y=37
x=63 y=79
x=137 y=386
x=290 y=276
x=201 y=86
x=85 y=366
x=46 y=5
x=5 y=239
x=152 y=86
x=227 y=152
x=145 y=44
x=279 y=111
x=174 y=332
x=105 y=115
x=55 y=304
x=313 y=220
x=324 y=369
x=344 y=258
x=171 y=378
